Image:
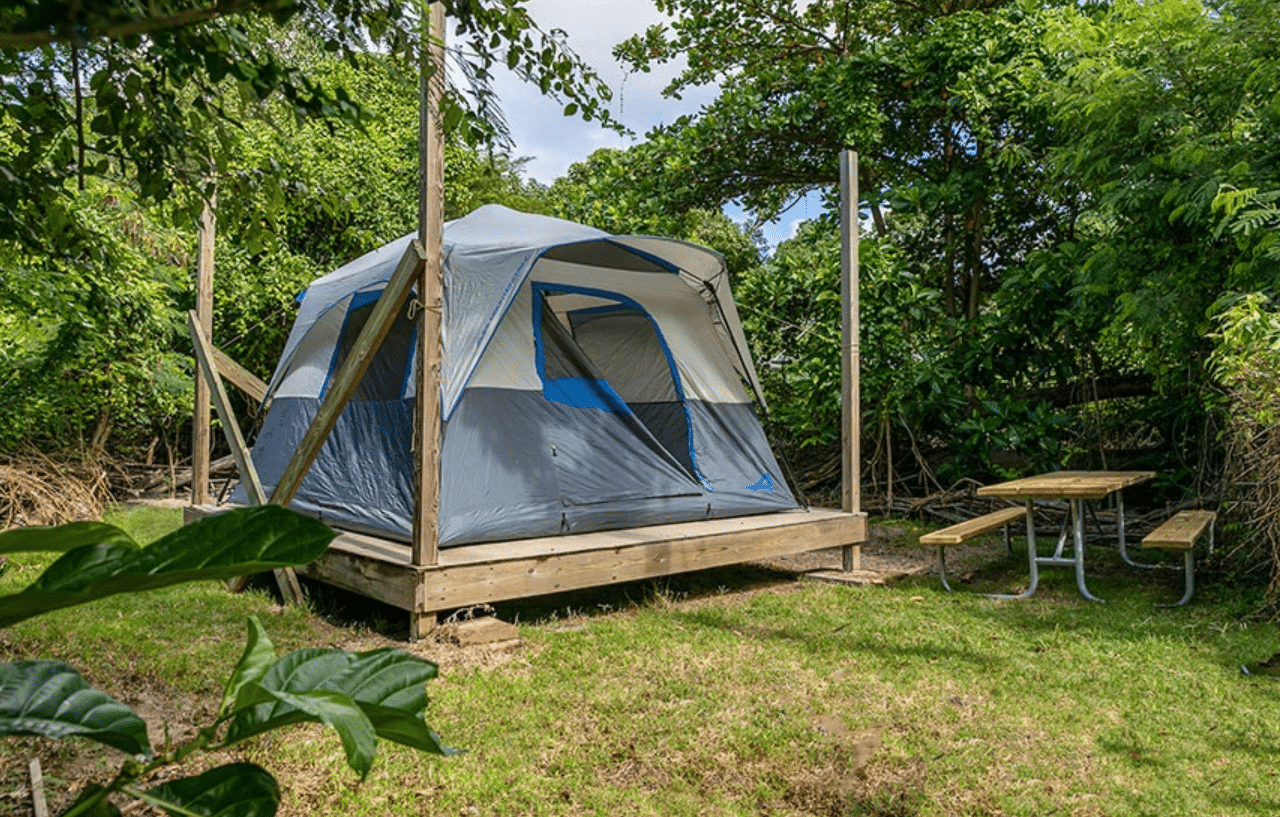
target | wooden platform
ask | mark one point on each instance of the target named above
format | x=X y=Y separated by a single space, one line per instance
x=498 y=571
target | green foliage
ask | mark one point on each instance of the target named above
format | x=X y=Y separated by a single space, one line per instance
x=1074 y=185
x=49 y=698
x=220 y=547
x=243 y=789
x=97 y=339
x=910 y=362
x=1148 y=93
x=119 y=87
x=362 y=697
x=1246 y=363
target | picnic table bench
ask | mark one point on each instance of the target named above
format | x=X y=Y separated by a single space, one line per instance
x=968 y=529
x=1180 y=532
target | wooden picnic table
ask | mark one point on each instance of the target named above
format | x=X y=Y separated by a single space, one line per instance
x=1067 y=485
x=1076 y=487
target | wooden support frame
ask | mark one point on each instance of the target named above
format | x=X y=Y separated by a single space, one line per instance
x=431 y=288
x=347 y=378
x=200 y=449
x=290 y=590
x=850 y=355
x=418 y=576
x=240 y=377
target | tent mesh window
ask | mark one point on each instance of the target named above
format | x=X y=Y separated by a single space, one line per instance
x=388 y=375
x=615 y=349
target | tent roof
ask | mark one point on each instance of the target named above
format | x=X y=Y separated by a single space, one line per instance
x=489 y=253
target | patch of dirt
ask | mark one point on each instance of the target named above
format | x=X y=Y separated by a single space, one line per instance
x=893 y=552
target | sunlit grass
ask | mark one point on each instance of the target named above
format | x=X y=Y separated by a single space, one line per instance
x=737 y=693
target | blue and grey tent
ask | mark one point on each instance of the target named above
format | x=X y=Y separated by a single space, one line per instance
x=589 y=382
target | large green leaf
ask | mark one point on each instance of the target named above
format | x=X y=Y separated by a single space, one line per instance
x=399 y=726
x=235 y=790
x=250 y=540
x=63 y=538
x=389 y=687
x=259 y=653
x=50 y=699
x=342 y=715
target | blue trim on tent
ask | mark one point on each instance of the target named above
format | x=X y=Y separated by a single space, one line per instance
x=620 y=302
x=509 y=295
x=650 y=257
x=580 y=392
x=358 y=300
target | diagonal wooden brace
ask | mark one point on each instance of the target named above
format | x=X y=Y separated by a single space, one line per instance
x=290 y=590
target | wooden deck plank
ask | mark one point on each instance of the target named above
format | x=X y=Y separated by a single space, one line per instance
x=496 y=571
x=492 y=552
x=394 y=583
x=521 y=576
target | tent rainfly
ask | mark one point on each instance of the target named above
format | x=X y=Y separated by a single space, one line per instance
x=589 y=382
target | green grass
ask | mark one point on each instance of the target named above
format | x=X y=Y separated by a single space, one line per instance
x=735 y=693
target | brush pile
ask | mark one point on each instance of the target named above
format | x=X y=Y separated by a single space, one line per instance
x=35 y=490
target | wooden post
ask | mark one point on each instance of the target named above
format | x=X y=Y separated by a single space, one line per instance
x=290 y=590
x=426 y=463
x=39 y=806
x=204 y=311
x=851 y=410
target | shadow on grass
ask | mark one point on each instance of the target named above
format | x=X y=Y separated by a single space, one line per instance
x=343 y=608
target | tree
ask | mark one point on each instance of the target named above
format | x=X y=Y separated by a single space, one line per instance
x=952 y=145
x=139 y=89
x=1161 y=110
x=1049 y=169
x=927 y=93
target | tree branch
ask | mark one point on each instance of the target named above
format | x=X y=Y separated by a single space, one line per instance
x=72 y=30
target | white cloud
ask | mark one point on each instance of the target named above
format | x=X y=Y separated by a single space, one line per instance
x=539 y=128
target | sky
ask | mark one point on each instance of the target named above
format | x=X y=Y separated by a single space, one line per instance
x=552 y=141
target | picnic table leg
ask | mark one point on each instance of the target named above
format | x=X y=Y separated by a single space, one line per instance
x=1031 y=560
x=1124 y=553
x=1077 y=514
x=1065 y=532
x=1190 y=567
x=942 y=568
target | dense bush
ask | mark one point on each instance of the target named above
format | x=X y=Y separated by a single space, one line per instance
x=1247 y=364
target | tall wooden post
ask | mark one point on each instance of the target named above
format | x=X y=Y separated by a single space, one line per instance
x=851 y=409
x=204 y=312
x=431 y=301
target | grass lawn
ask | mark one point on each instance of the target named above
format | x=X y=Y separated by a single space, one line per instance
x=739 y=692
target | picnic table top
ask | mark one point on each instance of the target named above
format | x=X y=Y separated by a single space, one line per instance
x=1067 y=485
